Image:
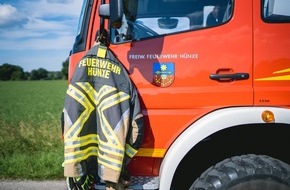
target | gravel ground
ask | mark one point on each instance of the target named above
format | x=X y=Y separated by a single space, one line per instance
x=32 y=185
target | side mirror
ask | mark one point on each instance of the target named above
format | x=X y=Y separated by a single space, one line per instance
x=112 y=11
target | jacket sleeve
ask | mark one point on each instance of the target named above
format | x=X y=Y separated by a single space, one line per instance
x=136 y=131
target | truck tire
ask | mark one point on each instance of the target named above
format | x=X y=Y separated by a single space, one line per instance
x=250 y=172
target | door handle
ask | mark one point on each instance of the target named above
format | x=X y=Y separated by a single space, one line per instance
x=229 y=77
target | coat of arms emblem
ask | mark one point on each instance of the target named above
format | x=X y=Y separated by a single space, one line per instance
x=163 y=74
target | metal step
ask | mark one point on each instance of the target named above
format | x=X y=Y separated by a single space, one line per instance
x=137 y=183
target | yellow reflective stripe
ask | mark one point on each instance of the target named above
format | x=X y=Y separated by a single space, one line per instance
x=82 y=138
x=82 y=99
x=104 y=90
x=80 y=155
x=130 y=151
x=105 y=126
x=115 y=99
x=87 y=87
x=77 y=144
x=81 y=141
x=109 y=144
x=110 y=150
x=110 y=162
x=93 y=94
x=150 y=152
x=113 y=141
x=81 y=152
x=109 y=165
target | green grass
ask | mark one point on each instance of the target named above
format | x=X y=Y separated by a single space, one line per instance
x=30 y=132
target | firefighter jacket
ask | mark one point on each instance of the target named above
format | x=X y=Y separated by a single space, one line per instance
x=103 y=123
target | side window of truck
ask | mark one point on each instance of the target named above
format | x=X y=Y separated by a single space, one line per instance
x=276 y=11
x=153 y=18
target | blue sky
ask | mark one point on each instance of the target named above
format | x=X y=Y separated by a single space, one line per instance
x=37 y=33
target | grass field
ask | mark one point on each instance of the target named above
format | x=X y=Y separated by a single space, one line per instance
x=30 y=133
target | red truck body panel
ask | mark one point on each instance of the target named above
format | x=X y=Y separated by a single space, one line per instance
x=244 y=44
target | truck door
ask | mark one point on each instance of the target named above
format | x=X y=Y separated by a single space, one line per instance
x=182 y=67
x=271 y=52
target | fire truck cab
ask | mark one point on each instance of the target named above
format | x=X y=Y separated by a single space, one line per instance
x=215 y=95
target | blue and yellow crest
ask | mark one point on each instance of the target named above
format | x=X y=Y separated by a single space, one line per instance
x=163 y=74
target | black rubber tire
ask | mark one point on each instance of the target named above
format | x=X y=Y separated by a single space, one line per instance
x=246 y=172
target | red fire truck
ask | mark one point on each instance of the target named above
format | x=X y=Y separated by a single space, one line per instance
x=216 y=97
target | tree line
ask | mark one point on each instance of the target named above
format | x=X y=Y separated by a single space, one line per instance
x=14 y=72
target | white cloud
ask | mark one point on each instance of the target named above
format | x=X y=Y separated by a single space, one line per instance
x=31 y=30
x=9 y=15
x=42 y=28
x=53 y=8
x=6 y=11
x=39 y=25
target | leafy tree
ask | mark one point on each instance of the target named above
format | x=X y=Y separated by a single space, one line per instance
x=64 y=69
x=42 y=73
x=34 y=75
x=54 y=75
x=17 y=75
x=26 y=75
x=39 y=74
x=11 y=72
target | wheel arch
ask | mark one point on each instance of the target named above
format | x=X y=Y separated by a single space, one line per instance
x=210 y=124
